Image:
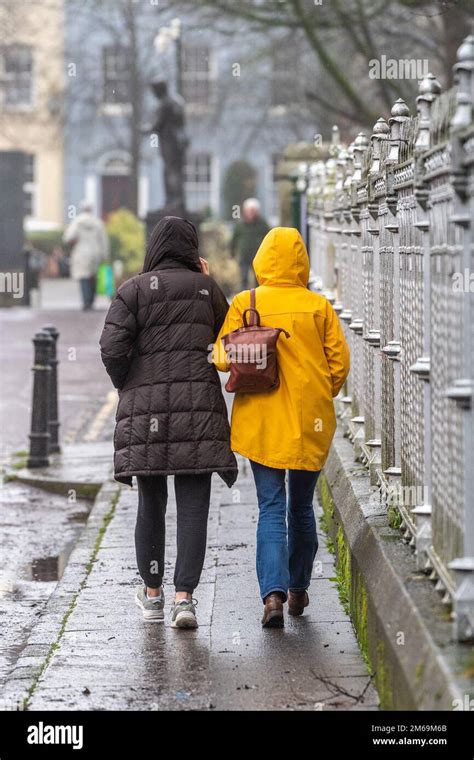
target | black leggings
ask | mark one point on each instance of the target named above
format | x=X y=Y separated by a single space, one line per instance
x=193 y=493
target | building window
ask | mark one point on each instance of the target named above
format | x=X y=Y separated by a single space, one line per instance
x=285 y=83
x=16 y=63
x=198 y=175
x=197 y=76
x=29 y=186
x=116 y=67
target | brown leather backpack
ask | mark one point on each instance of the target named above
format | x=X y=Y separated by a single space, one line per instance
x=251 y=351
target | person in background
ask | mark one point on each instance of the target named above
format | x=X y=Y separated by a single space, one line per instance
x=247 y=236
x=90 y=247
x=35 y=264
x=61 y=261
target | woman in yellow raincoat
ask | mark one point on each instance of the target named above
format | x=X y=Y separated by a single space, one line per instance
x=291 y=427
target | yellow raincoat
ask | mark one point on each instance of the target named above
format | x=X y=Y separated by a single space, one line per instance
x=291 y=427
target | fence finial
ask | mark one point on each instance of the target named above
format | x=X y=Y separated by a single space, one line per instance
x=341 y=172
x=400 y=113
x=399 y=109
x=335 y=141
x=328 y=193
x=380 y=133
x=429 y=89
x=429 y=86
x=380 y=127
x=464 y=72
x=350 y=168
x=361 y=143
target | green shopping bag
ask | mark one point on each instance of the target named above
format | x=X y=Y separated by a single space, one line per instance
x=105 y=280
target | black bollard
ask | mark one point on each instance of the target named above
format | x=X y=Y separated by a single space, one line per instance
x=39 y=436
x=53 y=422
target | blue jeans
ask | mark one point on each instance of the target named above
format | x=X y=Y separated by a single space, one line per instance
x=285 y=556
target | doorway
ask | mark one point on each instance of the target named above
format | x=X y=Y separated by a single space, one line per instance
x=116 y=193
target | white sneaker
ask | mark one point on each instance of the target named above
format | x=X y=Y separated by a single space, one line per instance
x=153 y=609
x=183 y=614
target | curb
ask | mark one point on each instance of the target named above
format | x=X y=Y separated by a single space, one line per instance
x=70 y=470
x=400 y=622
x=44 y=637
x=83 y=490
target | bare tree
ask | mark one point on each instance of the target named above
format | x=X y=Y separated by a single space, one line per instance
x=346 y=35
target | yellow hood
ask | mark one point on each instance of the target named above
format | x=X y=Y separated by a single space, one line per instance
x=282 y=258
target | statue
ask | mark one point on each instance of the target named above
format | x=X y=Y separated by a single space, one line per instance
x=173 y=142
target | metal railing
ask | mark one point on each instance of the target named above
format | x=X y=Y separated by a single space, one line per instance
x=391 y=241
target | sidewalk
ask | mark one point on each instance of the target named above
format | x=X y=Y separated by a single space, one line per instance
x=64 y=293
x=100 y=654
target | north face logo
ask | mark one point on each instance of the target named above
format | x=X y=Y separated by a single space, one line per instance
x=204 y=292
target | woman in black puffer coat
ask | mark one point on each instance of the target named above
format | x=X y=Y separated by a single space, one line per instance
x=171 y=417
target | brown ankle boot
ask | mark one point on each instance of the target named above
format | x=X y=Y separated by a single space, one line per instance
x=297 y=601
x=273 y=612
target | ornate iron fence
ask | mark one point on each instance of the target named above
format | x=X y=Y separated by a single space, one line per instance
x=391 y=241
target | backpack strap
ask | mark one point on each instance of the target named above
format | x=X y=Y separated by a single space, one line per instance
x=254 y=315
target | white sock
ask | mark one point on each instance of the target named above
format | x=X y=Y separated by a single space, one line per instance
x=154 y=598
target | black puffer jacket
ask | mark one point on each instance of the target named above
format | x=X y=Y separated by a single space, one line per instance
x=171 y=416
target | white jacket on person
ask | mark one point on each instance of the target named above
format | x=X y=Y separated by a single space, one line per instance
x=91 y=245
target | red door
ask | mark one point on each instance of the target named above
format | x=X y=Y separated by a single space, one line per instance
x=116 y=193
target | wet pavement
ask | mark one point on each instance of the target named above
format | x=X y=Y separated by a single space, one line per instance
x=38 y=533
x=107 y=657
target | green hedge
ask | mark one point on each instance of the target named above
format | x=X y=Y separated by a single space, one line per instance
x=46 y=240
x=127 y=240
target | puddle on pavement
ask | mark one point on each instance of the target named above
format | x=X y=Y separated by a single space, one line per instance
x=51 y=568
x=46 y=569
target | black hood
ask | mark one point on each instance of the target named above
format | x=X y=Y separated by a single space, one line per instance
x=173 y=241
